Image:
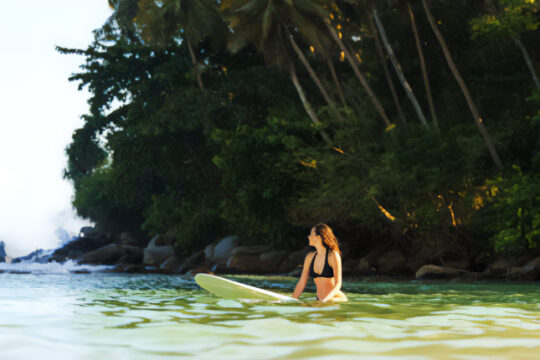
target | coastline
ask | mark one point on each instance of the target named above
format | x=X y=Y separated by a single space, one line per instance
x=135 y=254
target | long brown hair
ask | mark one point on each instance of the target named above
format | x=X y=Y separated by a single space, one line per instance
x=329 y=240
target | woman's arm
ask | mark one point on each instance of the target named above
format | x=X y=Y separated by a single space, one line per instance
x=304 y=277
x=334 y=260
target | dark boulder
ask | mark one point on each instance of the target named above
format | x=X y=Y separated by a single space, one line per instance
x=255 y=259
x=372 y=256
x=499 y=269
x=250 y=250
x=248 y=263
x=128 y=268
x=92 y=240
x=196 y=260
x=133 y=239
x=392 y=263
x=198 y=270
x=438 y=272
x=529 y=271
x=294 y=260
x=363 y=268
x=220 y=252
x=172 y=265
x=157 y=251
x=112 y=254
x=274 y=258
x=89 y=232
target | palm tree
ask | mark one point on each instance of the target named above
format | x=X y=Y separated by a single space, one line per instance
x=422 y=64
x=397 y=67
x=315 y=78
x=271 y=26
x=339 y=88
x=517 y=41
x=198 y=20
x=359 y=75
x=474 y=111
x=159 y=22
x=382 y=58
x=266 y=23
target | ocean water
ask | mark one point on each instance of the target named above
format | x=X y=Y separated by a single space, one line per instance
x=51 y=313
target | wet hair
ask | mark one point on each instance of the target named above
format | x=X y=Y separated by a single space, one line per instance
x=329 y=240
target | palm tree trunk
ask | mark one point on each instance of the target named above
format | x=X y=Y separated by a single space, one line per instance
x=398 y=69
x=359 y=75
x=382 y=58
x=527 y=58
x=315 y=79
x=336 y=81
x=195 y=64
x=423 y=66
x=474 y=111
x=307 y=105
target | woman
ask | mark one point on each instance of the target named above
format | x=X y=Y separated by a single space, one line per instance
x=323 y=265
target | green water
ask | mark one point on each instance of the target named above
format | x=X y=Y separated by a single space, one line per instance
x=105 y=316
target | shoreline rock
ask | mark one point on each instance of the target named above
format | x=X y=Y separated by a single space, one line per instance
x=133 y=253
x=438 y=272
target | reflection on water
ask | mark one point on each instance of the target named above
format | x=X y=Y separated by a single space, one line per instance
x=96 y=315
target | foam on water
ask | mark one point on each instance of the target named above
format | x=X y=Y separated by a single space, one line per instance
x=67 y=267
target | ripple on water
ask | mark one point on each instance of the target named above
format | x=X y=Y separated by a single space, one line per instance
x=158 y=317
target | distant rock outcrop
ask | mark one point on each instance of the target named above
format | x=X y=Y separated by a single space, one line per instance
x=3 y=254
x=39 y=256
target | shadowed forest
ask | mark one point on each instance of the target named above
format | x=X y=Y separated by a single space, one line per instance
x=404 y=124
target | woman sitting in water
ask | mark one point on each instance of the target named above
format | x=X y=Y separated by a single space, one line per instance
x=323 y=265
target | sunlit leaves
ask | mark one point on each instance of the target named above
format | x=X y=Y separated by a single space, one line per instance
x=511 y=18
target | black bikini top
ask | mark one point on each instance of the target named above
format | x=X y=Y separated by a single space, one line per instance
x=327 y=271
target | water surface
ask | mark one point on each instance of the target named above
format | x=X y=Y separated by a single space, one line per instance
x=111 y=316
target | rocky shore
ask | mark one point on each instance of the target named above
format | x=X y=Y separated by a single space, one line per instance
x=135 y=253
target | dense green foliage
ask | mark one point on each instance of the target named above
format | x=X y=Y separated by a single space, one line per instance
x=187 y=138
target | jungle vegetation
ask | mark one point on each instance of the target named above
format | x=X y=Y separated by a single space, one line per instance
x=409 y=123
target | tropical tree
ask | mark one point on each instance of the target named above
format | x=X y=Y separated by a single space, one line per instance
x=474 y=111
x=315 y=78
x=382 y=59
x=339 y=88
x=423 y=67
x=337 y=37
x=271 y=26
x=510 y=19
x=397 y=67
x=158 y=22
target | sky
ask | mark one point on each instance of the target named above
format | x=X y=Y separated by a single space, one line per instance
x=39 y=110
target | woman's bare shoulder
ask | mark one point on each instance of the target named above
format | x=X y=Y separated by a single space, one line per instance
x=309 y=257
x=334 y=256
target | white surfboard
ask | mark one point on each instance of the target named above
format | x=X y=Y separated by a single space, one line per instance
x=234 y=290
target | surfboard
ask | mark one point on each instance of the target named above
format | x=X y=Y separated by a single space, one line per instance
x=234 y=290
